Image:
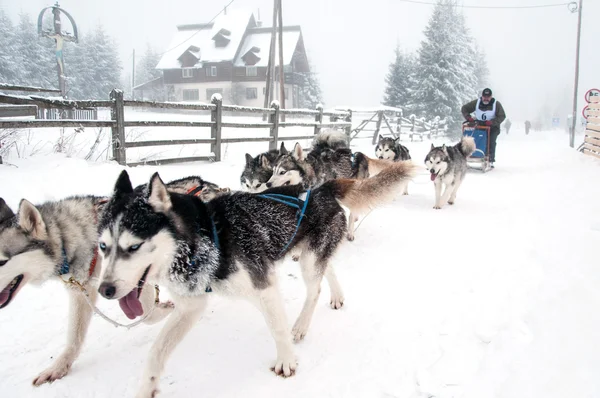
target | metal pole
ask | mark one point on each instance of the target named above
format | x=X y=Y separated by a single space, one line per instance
x=281 y=66
x=574 y=115
x=133 y=74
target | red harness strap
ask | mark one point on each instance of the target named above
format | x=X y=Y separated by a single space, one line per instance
x=94 y=262
x=196 y=191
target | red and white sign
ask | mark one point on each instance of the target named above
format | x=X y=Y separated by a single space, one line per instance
x=594 y=92
x=585 y=112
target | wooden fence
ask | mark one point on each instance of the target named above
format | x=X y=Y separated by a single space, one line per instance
x=591 y=142
x=390 y=121
x=117 y=105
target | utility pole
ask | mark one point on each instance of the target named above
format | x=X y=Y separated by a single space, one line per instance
x=133 y=74
x=574 y=115
x=281 y=70
x=271 y=63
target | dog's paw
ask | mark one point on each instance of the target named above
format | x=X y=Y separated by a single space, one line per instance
x=450 y=202
x=300 y=330
x=285 y=367
x=149 y=390
x=350 y=237
x=437 y=207
x=336 y=302
x=295 y=257
x=57 y=371
x=405 y=193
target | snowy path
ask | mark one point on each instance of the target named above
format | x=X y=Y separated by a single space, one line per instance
x=496 y=296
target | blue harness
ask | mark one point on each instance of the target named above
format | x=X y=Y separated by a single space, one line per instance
x=65 y=267
x=294 y=202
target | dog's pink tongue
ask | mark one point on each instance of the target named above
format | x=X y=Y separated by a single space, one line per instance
x=433 y=176
x=131 y=305
x=4 y=295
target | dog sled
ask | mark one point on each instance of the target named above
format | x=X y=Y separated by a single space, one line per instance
x=480 y=159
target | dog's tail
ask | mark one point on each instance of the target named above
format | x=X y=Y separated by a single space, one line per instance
x=362 y=195
x=330 y=139
x=365 y=167
x=467 y=146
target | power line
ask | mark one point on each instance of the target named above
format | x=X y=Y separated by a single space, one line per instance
x=196 y=32
x=490 y=7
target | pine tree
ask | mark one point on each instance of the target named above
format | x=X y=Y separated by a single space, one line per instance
x=145 y=71
x=309 y=92
x=9 y=65
x=446 y=72
x=36 y=55
x=104 y=64
x=400 y=82
x=481 y=69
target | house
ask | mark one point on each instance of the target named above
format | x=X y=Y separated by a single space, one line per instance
x=230 y=57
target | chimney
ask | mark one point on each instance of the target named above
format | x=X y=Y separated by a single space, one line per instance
x=258 y=21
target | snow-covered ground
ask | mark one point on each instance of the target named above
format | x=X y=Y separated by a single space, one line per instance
x=496 y=296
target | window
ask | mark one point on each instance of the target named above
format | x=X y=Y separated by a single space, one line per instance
x=191 y=95
x=211 y=71
x=251 y=71
x=287 y=90
x=211 y=91
x=251 y=93
x=187 y=73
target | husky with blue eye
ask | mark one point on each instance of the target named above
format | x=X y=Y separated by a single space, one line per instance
x=231 y=246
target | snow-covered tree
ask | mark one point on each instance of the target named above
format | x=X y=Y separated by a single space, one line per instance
x=481 y=69
x=309 y=92
x=36 y=56
x=102 y=53
x=145 y=71
x=400 y=81
x=9 y=61
x=446 y=74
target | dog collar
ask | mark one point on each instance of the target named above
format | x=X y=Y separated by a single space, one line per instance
x=195 y=190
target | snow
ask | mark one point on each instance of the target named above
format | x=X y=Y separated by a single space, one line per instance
x=262 y=40
x=235 y=21
x=494 y=297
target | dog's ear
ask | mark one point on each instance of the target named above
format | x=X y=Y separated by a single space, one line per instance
x=444 y=149
x=282 y=150
x=5 y=211
x=432 y=147
x=30 y=219
x=265 y=162
x=158 y=195
x=298 y=152
x=123 y=185
x=249 y=158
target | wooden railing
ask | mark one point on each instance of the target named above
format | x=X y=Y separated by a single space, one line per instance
x=118 y=124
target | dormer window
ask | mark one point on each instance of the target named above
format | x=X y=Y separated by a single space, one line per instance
x=187 y=73
x=222 y=38
x=251 y=71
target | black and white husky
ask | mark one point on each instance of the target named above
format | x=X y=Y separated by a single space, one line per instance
x=229 y=246
x=391 y=149
x=448 y=167
x=59 y=239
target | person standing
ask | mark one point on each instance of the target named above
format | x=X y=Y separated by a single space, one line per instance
x=527 y=126
x=488 y=112
x=507 y=125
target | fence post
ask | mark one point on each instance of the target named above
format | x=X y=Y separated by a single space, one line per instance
x=377 y=127
x=118 y=132
x=349 y=127
x=274 y=120
x=216 y=116
x=318 y=118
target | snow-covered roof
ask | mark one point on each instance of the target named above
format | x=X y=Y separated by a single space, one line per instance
x=234 y=22
x=260 y=38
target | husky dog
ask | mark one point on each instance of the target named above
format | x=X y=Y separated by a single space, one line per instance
x=448 y=166
x=391 y=149
x=54 y=240
x=229 y=246
x=259 y=169
x=321 y=165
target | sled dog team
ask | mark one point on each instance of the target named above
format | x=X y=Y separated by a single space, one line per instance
x=196 y=239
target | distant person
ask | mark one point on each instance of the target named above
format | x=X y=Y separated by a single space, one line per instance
x=507 y=125
x=488 y=112
x=527 y=126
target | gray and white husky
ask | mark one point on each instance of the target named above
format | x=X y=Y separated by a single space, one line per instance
x=231 y=246
x=391 y=149
x=50 y=241
x=323 y=164
x=448 y=166
x=59 y=239
x=259 y=169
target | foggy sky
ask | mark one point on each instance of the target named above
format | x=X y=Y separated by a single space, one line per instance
x=531 y=52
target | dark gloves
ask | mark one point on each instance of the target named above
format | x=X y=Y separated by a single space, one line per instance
x=470 y=119
x=488 y=122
